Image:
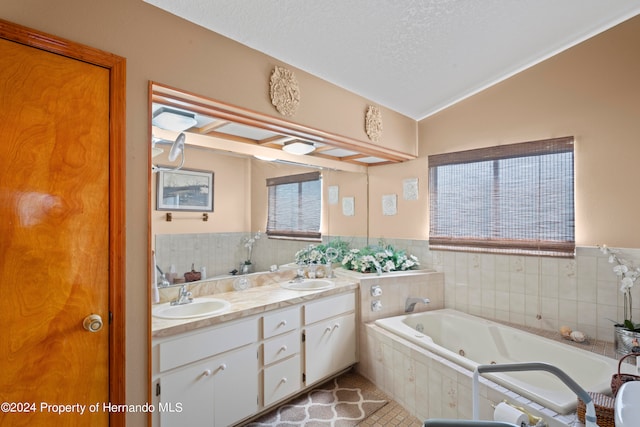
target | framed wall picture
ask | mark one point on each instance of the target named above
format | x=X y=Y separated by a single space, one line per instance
x=348 y=206
x=389 y=204
x=185 y=190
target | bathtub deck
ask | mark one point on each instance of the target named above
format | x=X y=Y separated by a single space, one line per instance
x=603 y=348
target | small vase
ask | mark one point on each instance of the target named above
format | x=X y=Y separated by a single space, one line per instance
x=312 y=270
x=625 y=340
x=245 y=268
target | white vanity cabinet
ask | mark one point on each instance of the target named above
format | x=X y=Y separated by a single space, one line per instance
x=224 y=374
x=215 y=392
x=330 y=336
x=210 y=377
x=282 y=374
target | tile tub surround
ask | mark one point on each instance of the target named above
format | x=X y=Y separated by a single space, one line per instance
x=581 y=292
x=396 y=288
x=430 y=386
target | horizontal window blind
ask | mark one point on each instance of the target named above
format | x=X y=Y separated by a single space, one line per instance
x=295 y=206
x=516 y=198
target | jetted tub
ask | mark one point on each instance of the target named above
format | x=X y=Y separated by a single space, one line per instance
x=470 y=341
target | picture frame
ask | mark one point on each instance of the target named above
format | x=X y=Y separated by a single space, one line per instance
x=348 y=206
x=184 y=190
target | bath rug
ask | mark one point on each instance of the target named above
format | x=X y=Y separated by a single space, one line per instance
x=341 y=402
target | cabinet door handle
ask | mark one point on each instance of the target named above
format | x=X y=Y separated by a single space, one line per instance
x=222 y=367
x=327 y=329
x=283 y=348
x=283 y=380
x=282 y=323
x=206 y=372
x=336 y=326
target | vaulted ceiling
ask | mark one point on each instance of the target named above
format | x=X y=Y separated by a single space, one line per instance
x=415 y=57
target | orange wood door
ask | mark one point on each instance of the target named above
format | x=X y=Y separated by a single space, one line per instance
x=54 y=238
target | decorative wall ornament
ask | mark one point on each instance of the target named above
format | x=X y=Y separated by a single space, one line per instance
x=373 y=123
x=285 y=93
x=389 y=204
x=410 y=189
x=348 y=206
x=333 y=194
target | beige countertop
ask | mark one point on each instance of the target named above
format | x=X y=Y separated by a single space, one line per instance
x=248 y=302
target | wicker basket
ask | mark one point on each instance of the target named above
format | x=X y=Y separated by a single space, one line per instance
x=604 y=409
x=618 y=379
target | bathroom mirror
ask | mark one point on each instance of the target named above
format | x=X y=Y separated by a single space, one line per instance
x=241 y=149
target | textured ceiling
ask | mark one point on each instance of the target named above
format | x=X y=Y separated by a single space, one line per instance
x=413 y=56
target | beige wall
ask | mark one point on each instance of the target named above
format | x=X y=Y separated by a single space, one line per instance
x=411 y=220
x=160 y=47
x=231 y=196
x=591 y=91
x=350 y=184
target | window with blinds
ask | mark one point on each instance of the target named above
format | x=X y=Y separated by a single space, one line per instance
x=295 y=204
x=514 y=199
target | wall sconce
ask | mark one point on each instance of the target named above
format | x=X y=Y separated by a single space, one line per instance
x=177 y=149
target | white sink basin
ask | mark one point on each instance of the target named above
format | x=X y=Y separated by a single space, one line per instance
x=627 y=409
x=198 y=308
x=309 y=285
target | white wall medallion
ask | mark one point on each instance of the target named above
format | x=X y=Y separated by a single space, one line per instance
x=389 y=204
x=373 y=123
x=333 y=194
x=410 y=189
x=348 y=206
x=285 y=93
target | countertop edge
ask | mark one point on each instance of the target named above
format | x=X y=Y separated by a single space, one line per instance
x=246 y=303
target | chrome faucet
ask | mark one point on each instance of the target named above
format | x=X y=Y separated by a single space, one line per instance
x=184 y=296
x=299 y=274
x=378 y=267
x=411 y=302
x=162 y=279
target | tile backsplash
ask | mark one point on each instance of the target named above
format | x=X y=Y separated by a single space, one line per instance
x=545 y=293
x=220 y=253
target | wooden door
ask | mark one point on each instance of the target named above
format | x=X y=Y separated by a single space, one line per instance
x=56 y=242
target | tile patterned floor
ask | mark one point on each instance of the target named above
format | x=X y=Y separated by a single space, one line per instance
x=392 y=414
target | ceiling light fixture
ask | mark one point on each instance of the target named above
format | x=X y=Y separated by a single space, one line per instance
x=175 y=120
x=298 y=147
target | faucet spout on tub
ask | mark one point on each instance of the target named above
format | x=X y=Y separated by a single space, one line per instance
x=411 y=302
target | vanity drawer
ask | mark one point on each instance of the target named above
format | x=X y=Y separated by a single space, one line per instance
x=280 y=322
x=181 y=351
x=329 y=307
x=282 y=379
x=281 y=347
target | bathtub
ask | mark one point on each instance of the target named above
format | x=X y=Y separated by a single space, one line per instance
x=469 y=341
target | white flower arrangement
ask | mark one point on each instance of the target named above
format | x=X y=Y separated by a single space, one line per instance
x=248 y=243
x=627 y=274
x=380 y=259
